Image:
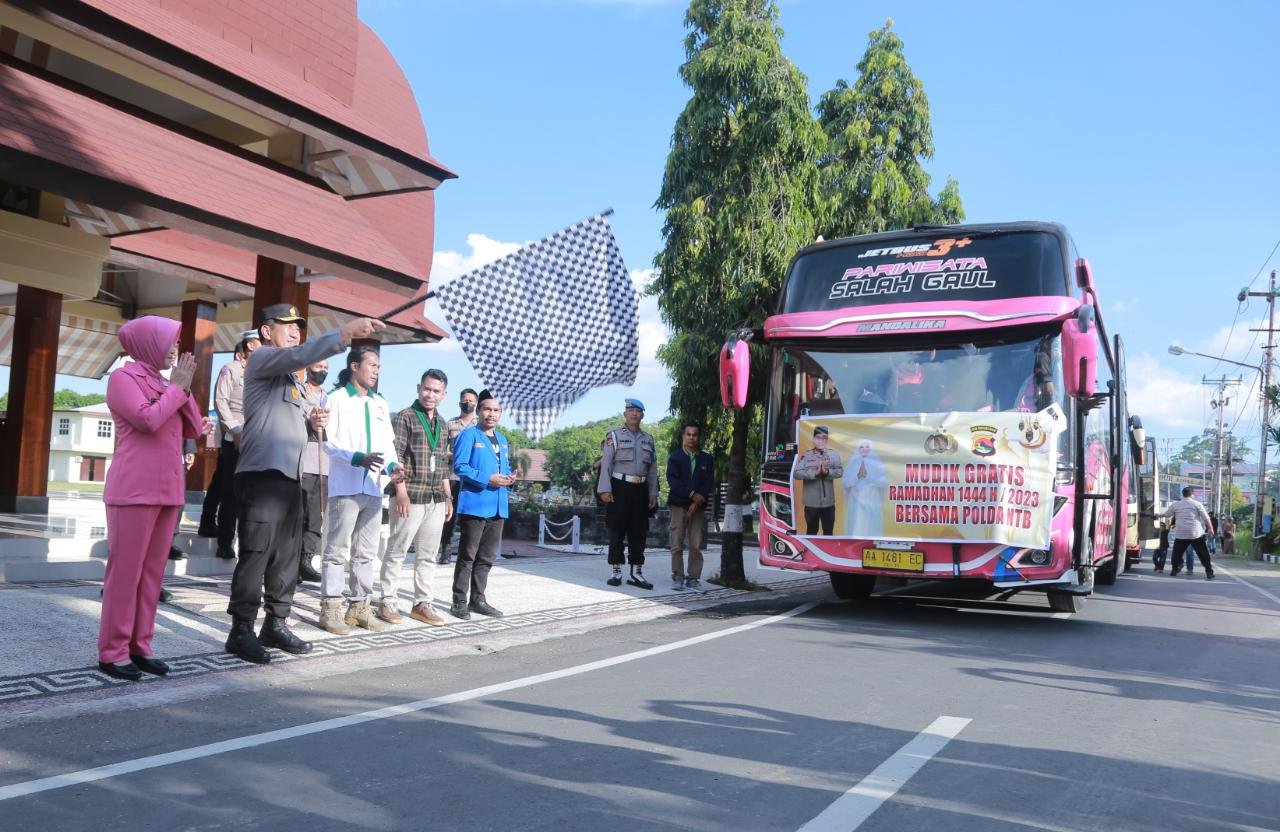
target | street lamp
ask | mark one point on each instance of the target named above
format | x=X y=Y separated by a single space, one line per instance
x=1174 y=349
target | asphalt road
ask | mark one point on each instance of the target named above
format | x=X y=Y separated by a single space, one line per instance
x=1156 y=708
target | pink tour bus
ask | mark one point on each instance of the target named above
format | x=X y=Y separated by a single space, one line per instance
x=944 y=404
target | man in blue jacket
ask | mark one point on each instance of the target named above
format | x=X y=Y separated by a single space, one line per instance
x=689 y=483
x=482 y=461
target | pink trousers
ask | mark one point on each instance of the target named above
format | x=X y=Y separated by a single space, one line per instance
x=138 y=541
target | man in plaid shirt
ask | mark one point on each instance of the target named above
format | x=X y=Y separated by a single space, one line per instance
x=422 y=501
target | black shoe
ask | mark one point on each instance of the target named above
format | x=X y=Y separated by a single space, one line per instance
x=149 y=665
x=1209 y=577
x=484 y=608
x=307 y=572
x=243 y=643
x=616 y=580
x=165 y=595
x=275 y=633
x=460 y=611
x=128 y=671
x=638 y=580
x=226 y=553
x=176 y=554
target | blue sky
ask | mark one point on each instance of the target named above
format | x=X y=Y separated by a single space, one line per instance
x=1148 y=129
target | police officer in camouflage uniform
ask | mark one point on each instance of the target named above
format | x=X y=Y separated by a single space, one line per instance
x=628 y=486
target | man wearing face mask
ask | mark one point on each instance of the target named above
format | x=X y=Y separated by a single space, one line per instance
x=467 y=401
x=315 y=474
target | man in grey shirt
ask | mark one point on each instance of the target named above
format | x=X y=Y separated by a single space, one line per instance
x=268 y=476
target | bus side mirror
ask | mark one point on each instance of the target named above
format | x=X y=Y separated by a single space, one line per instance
x=1080 y=355
x=735 y=373
x=1084 y=274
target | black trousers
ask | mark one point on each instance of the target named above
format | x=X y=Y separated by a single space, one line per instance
x=628 y=520
x=270 y=522
x=312 y=513
x=446 y=534
x=819 y=517
x=477 y=550
x=1202 y=551
x=228 y=503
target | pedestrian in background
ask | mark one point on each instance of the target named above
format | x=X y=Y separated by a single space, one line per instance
x=145 y=489
x=628 y=485
x=690 y=479
x=315 y=475
x=219 y=519
x=1191 y=522
x=1229 y=536
x=422 y=502
x=362 y=461
x=1161 y=553
x=466 y=417
x=267 y=477
x=1212 y=538
x=482 y=461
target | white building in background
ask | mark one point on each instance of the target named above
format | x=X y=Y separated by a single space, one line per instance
x=81 y=444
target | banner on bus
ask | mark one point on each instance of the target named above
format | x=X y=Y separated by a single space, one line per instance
x=942 y=477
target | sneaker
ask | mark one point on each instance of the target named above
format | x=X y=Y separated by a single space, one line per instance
x=425 y=613
x=485 y=608
x=677 y=583
x=387 y=612
x=694 y=584
x=460 y=611
x=614 y=580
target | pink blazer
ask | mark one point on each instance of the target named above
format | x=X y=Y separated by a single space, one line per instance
x=151 y=420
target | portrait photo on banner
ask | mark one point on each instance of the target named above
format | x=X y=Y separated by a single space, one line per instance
x=937 y=477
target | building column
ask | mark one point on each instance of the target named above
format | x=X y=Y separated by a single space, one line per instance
x=199 y=325
x=24 y=446
x=277 y=282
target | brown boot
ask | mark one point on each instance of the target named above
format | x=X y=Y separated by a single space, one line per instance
x=359 y=614
x=331 y=617
x=425 y=613
x=387 y=612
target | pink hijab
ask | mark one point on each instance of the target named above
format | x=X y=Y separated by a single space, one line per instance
x=148 y=339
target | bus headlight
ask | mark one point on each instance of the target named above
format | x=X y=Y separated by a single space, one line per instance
x=780 y=548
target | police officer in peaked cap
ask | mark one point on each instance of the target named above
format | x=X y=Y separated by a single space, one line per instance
x=628 y=486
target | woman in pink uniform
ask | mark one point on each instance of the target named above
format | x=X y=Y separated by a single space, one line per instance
x=145 y=490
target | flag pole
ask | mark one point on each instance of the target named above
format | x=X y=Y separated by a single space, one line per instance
x=406 y=305
x=608 y=212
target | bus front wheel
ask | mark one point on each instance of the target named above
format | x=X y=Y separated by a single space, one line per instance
x=852 y=587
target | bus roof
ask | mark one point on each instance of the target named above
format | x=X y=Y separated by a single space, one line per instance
x=922 y=231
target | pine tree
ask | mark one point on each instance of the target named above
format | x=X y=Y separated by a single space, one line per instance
x=740 y=191
x=879 y=136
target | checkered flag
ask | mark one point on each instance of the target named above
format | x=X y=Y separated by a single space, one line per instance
x=544 y=325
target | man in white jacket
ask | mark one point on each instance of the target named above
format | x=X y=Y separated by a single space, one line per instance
x=360 y=442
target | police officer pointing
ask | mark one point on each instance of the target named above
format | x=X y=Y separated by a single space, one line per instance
x=629 y=487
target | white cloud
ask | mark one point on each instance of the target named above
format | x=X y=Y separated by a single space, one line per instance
x=1168 y=400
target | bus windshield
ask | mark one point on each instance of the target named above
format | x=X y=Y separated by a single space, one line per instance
x=994 y=375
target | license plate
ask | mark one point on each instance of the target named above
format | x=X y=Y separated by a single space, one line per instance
x=908 y=561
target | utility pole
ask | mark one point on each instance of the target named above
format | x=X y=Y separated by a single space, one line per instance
x=1270 y=295
x=1220 y=402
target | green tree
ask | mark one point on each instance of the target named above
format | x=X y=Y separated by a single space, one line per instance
x=70 y=400
x=4 y=402
x=572 y=452
x=879 y=136
x=740 y=192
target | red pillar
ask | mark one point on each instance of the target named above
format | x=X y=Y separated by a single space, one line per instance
x=199 y=324
x=276 y=282
x=24 y=446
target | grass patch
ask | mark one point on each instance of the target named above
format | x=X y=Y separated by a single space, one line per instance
x=91 y=487
x=747 y=585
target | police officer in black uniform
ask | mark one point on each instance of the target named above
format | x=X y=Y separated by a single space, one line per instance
x=628 y=486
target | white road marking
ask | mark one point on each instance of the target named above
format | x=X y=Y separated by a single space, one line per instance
x=856 y=805
x=183 y=755
x=1252 y=586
